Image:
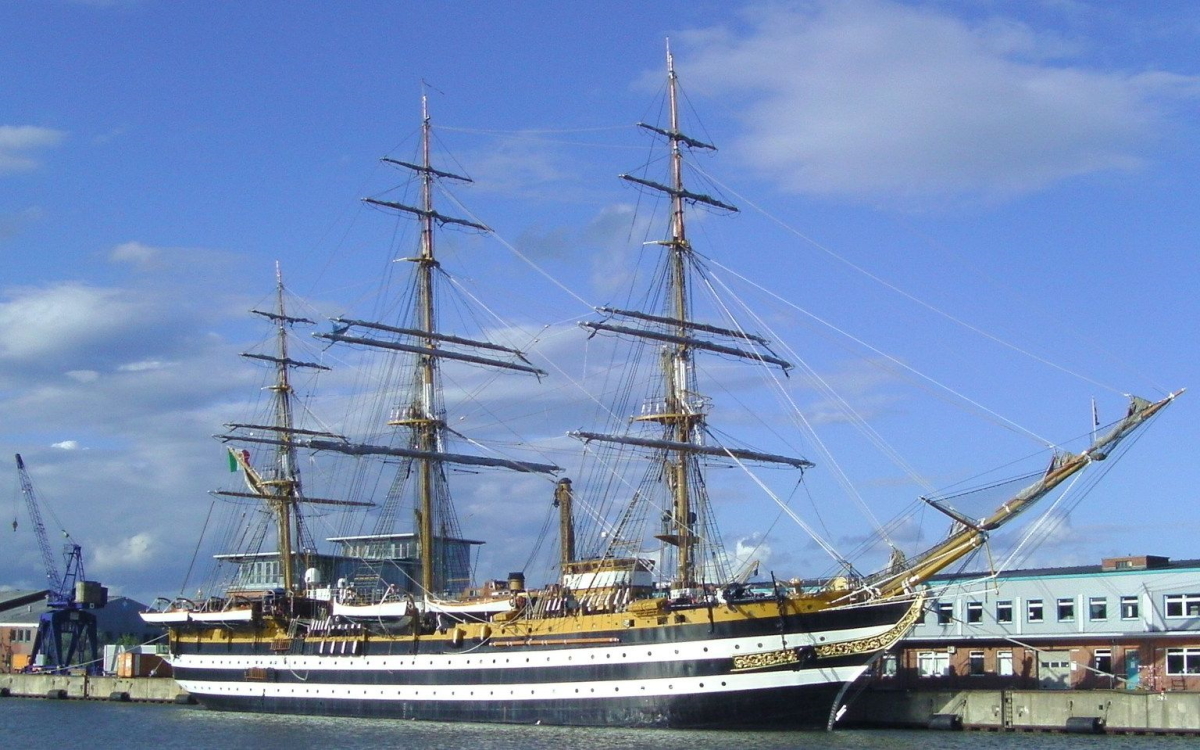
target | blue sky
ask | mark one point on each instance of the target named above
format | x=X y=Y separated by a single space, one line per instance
x=1025 y=170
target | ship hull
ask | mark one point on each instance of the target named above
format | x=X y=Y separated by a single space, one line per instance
x=784 y=707
x=765 y=672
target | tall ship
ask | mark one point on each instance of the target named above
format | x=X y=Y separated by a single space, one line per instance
x=647 y=621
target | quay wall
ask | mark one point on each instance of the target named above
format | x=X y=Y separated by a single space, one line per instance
x=145 y=689
x=1118 y=711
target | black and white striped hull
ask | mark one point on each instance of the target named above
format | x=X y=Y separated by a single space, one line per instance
x=674 y=676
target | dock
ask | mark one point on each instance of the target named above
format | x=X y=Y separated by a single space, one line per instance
x=85 y=687
x=1076 y=711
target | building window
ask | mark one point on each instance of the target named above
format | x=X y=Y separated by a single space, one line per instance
x=1004 y=611
x=1182 y=605
x=1004 y=663
x=1182 y=661
x=1066 y=610
x=975 y=662
x=1102 y=660
x=945 y=612
x=974 y=612
x=890 y=666
x=1035 y=611
x=933 y=664
x=1098 y=608
x=1129 y=607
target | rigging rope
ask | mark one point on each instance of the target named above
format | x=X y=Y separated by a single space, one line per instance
x=905 y=294
x=1002 y=420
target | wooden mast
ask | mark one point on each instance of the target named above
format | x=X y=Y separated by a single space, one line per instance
x=423 y=414
x=287 y=483
x=678 y=363
x=424 y=419
x=682 y=411
x=281 y=488
x=566 y=523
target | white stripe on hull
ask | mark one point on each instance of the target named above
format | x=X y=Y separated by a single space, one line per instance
x=598 y=690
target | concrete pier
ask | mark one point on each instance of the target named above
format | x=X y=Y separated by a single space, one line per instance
x=83 y=687
x=1108 y=711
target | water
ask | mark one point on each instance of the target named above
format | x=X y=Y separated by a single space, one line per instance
x=36 y=723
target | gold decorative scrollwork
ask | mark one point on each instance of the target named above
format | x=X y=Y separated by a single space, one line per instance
x=743 y=662
x=877 y=642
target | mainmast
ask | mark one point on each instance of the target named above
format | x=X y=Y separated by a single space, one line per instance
x=684 y=417
x=422 y=415
x=682 y=411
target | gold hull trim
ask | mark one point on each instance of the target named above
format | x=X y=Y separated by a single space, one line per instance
x=877 y=642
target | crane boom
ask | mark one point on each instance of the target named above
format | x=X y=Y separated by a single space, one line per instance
x=53 y=581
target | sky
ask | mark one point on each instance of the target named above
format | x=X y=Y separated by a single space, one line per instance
x=969 y=218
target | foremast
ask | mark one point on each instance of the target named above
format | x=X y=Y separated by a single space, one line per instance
x=424 y=415
x=281 y=488
x=682 y=412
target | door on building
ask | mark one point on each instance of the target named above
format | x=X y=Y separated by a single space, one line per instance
x=1054 y=670
x=1133 y=669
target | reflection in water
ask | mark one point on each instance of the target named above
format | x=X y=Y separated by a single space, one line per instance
x=33 y=723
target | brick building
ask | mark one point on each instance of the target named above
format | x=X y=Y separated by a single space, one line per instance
x=1129 y=623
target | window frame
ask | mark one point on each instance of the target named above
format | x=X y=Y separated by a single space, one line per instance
x=944 y=612
x=1093 y=601
x=974 y=613
x=926 y=660
x=976 y=664
x=1040 y=606
x=1005 y=664
x=1184 y=656
x=1131 y=604
x=1004 y=605
x=1188 y=606
x=1064 y=609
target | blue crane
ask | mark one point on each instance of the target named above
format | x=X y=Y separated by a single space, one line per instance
x=66 y=635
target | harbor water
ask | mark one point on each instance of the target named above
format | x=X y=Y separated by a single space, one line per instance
x=38 y=723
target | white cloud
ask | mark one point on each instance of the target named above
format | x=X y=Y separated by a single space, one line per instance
x=19 y=142
x=40 y=322
x=143 y=366
x=134 y=253
x=66 y=445
x=750 y=554
x=127 y=553
x=83 y=376
x=881 y=100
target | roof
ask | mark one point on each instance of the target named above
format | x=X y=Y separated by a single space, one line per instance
x=400 y=537
x=33 y=604
x=1073 y=570
x=20 y=597
x=22 y=607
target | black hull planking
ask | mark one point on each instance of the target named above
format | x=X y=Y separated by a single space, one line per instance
x=794 y=707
